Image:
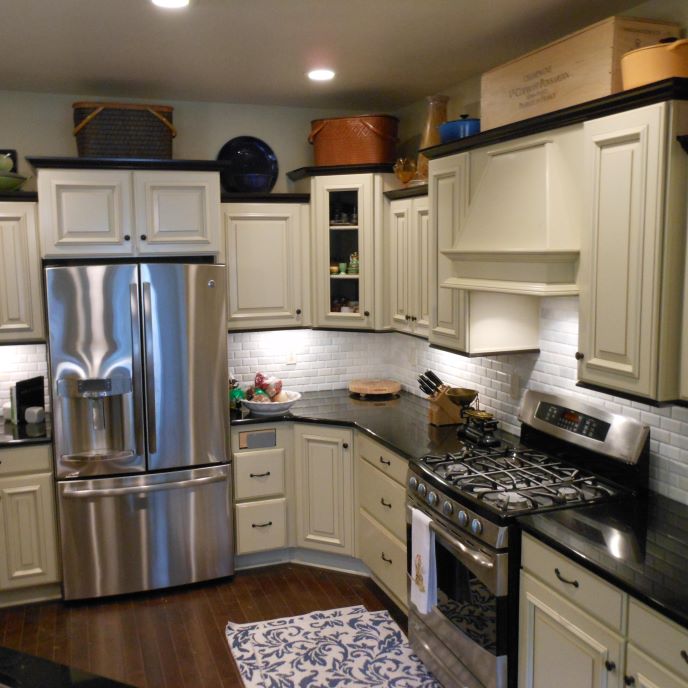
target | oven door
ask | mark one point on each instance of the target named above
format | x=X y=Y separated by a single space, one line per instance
x=463 y=639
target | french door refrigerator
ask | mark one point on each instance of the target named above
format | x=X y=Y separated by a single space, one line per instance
x=138 y=362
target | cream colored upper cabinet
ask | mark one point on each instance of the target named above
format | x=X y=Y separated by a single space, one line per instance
x=324 y=494
x=472 y=322
x=344 y=226
x=266 y=252
x=632 y=257
x=124 y=213
x=177 y=212
x=409 y=288
x=21 y=302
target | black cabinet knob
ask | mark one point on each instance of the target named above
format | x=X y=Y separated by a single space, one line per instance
x=413 y=318
x=366 y=313
x=345 y=445
x=407 y=317
x=629 y=681
x=127 y=237
x=579 y=356
x=609 y=666
x=143 y=237
x=298 y=311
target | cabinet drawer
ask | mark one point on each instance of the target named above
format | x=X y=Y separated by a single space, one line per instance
x=261 y=525
x=258 y=473
x=26 y=459
x=661 y=638
x=384 y=555
x=647 y=673
x=592 y=594
x=382 y=498
x=387 y=461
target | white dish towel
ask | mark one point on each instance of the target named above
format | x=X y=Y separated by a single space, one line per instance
x=423 y=574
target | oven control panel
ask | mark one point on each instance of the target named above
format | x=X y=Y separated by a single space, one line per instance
x=573 y=421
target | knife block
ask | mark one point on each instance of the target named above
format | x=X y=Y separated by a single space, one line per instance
x=443 y=411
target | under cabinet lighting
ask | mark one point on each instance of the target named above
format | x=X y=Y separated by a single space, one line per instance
x=171 y=4
x=321 y=74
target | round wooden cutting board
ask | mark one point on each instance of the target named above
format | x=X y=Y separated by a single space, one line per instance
x=374 y=387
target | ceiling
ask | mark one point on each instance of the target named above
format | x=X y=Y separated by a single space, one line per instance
x=387 y=53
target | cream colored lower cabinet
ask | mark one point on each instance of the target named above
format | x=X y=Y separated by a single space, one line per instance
x=559 y=642
x=324 y=488
x=21 y=300
x=585 y=632
x=382 y=516
x=261 y=455
x=28 y=534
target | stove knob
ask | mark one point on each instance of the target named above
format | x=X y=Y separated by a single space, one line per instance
x=422 y=490
x=462 y=518
x=413 y=483
x=432 y=499
x=447 y=508
x=476 y=527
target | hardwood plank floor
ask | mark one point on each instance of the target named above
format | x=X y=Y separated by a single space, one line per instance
x=175 y=638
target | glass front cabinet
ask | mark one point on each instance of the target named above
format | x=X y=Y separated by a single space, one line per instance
x=343 y=224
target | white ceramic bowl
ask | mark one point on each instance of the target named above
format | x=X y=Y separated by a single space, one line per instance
x=272 y=408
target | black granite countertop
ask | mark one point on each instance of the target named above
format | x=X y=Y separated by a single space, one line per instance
x=26 y=433
x=639 y=545
x=400 y=424
x=20 y=670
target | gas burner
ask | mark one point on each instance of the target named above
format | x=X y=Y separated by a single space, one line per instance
x=508 y=501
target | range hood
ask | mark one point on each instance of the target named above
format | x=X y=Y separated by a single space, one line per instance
x=520 y=230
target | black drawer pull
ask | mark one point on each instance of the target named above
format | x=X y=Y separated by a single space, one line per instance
x=384 y=503
x=385 y=559
x=259 y=475
x=385 y=461
x=563 y=580
x=261 y=525
x=684 y=654
x=629 y=681
x=609 y=666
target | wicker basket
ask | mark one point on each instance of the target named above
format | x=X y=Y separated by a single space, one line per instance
x=368 y=139
x=123 y=130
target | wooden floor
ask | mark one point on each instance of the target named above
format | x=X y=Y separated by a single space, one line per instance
x=176 y=637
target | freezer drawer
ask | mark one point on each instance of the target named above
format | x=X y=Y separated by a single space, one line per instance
x=135 y=533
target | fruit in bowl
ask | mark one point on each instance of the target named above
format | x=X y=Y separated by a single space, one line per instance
x=262 y=405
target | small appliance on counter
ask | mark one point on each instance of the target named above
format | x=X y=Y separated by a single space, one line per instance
x=24 y=395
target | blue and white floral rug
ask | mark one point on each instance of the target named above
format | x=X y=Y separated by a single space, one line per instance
x=329 y=649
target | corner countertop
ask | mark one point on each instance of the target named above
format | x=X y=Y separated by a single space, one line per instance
x=400 y=424
x=638 y=545
x=26 y=671
x=25 y=433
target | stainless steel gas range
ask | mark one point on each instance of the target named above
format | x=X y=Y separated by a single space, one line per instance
x=569 y=454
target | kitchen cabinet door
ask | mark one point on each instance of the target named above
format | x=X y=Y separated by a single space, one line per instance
x=643 y=672
x=324 y=488
x=559 y=644
x=448 y=194
x=177 y=212
x=267 y=251
x=28 y=541
x=85 y=213
x=343 y=211
x=631 y=259
x=409 y=270
x=21 y=299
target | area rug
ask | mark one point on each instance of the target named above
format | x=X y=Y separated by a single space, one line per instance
x=329 y=649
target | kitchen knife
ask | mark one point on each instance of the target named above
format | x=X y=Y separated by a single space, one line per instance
x=433 y=378
x=428 y=383
x=425 y=387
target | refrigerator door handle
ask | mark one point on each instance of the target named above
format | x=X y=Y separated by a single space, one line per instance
x=77 y=493
x=136 y=367
x=150 y=367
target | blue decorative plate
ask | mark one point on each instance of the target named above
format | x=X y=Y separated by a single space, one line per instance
x=251 y=165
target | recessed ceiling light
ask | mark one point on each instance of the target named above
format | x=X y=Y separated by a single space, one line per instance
x=171 y=4
x=321 y=74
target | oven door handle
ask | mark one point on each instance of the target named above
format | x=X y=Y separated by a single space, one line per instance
x=475 y=554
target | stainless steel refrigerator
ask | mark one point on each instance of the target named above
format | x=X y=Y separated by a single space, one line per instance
x=138 y=361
